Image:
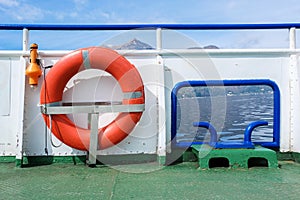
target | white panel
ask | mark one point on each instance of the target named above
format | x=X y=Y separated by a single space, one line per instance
x=5 y=87
x=89 y=87
x=144 y=138
x=295 y=103
x=11 y=124
x=35 y=137
x=241 y=66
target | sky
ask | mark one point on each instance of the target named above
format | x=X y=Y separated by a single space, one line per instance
x=142 y=11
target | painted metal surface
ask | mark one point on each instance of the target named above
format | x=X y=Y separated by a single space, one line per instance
x=237 y=158
x=88 y=87
x=144 y=138
x=147 y=26
x=211 y=129
x=55 y=110
x=230 y=145
x=68 y=181
x=249 y=129
x=5 y=85
x=211 y=83
x=161 y=70
x=12 y=121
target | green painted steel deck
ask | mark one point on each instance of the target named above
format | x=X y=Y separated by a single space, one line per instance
x=236 y=158
x=148 y=181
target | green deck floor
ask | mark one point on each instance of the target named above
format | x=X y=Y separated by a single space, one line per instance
x=181 y=181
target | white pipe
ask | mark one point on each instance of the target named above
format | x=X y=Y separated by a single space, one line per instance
x=158 y=38
x=166 y=52
x=292 y=38
x=25 y=39
x=218 y=52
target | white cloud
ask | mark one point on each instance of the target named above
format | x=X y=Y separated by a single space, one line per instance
x=27 y=12
x=80 y=4
x=232 y=5
x=9 y=3
x=20 y=11
x=104 y=14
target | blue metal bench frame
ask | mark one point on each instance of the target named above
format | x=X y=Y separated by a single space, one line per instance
x=247 y=143
x=194 y=83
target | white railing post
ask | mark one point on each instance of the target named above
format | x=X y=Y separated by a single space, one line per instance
x=292 y=38
x=294 y=95
x=25 y=39
x=21 y=105
x=161 y=146
x=158 y=38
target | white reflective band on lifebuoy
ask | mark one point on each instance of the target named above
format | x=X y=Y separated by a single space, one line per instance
x=86 y=59
x=132 y=95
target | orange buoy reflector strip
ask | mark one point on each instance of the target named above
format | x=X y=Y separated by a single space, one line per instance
x=110 y=61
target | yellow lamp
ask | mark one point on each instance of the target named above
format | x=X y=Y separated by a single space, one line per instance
x=33 y=71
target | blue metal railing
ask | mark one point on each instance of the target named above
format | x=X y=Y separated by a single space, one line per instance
x=115 y=27
x=276 y=106
x=247 y=143
x=91 y=27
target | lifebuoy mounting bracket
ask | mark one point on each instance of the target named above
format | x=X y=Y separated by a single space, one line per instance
x=93 y=112
x=56 y=110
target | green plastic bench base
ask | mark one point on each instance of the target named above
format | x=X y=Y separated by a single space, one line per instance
x=237 y=158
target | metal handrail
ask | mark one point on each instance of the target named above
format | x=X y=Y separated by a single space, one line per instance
x=158 y=27
x=91 y=27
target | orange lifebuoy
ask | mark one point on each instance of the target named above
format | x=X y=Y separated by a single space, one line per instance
x=98 y=58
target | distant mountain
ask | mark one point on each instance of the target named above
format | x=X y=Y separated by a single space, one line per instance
x=134 y=44
x=210 y=47
x=206 y=47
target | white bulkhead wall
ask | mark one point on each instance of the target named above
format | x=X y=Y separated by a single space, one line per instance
x=93 y=86
x=294 y=117
x=158 y=75
x=12 y=104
